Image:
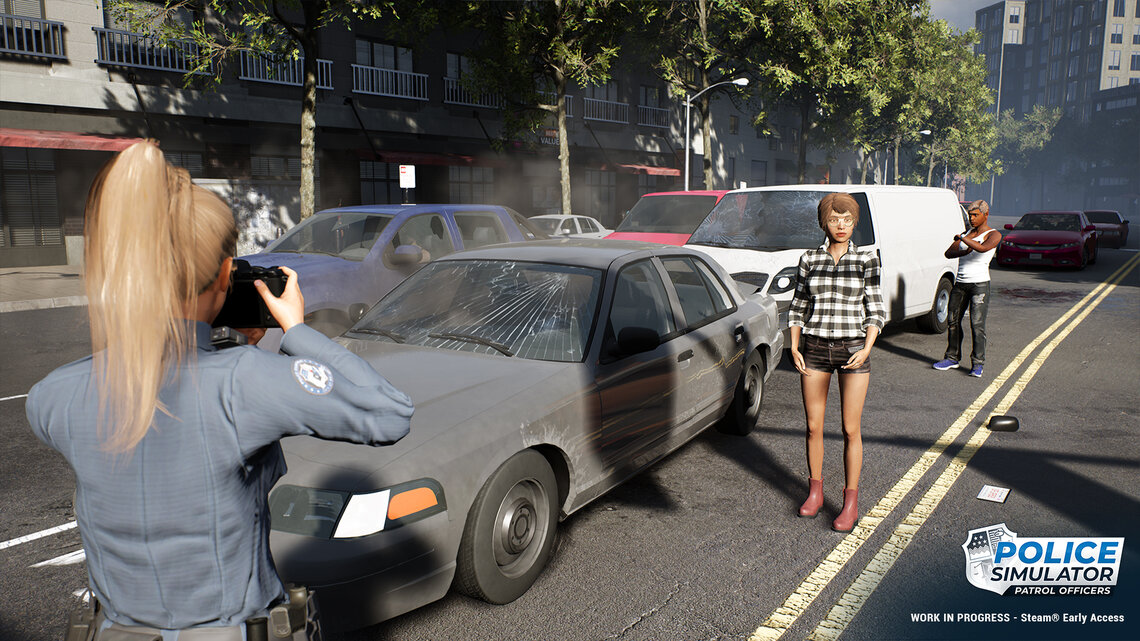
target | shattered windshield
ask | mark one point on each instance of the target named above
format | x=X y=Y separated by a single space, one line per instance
x=772 y=221
x=527 y=310
x=673 y=214
x=346 y=235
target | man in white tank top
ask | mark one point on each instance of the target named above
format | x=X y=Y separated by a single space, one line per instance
x=973 y=249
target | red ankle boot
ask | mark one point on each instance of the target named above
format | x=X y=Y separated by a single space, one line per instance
x=847 y=518
x=814 y=500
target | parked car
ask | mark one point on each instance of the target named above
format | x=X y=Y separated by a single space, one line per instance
x=543 y=374
x=1052 y=238
x=1110 y=226
x=667 y=217
x=759 y=234
x=348 y=258
x=571 y=226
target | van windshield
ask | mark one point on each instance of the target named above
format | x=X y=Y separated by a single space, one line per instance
x=774 y=220
x=671 y=214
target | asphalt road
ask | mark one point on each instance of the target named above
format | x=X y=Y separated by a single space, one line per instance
x=705 y=544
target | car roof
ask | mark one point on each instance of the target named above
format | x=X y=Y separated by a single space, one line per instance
x=582 y=252
x=1053 y=211
x=844 y=188
x=395 y=210
x=708 y=192
x=1102 y=211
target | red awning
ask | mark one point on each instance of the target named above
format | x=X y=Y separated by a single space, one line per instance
x=63 y=140
x=651 y=170
x=430 y=158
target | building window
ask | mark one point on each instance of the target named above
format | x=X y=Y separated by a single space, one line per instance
x=1135 y=65
x=1025 y=104
x=759 y=175
x=1117 y=36
x=1078 y=15
x=1074 y=66
x=1113 y=82
x=1071 y=92
x=1134 y=81
x=380 y=183
x=733 y=124
x=471 y=184
x=1138 y=16
x=1094 y=62
x=650 y=97
x=279 y=167
x=1075 y=41
x=1136 y=30
x=982 y=22
x=1028 y=58
x=1013 y=36
x=730 y=172
x=1055 y=70
x=1114 y=61
x=1058 y=45
x=646 y=184
x=1117 y=8
x=1014 y=15
x=383 y=56
x=29 y=211
x=1095 y=35
x=608 y=91
x=23 y=8
x=601 y=196
x=458 y=65
x=188 y=160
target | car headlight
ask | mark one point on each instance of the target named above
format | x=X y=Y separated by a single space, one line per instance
x=752 y=280
x=331 y=514
x=1007 y=243
x=1068 y=245
x=784 y=281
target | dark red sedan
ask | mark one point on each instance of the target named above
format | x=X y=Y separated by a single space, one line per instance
x=1111 y=228
x=1050 y=238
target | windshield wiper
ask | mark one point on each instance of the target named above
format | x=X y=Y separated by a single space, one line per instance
x=473 y=339
x=379 y=332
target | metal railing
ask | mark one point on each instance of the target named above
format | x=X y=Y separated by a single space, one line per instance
x=549 y=97
x=605 y=110
x=282 y=71
x=31 y=36
x=652 y=116
x=126 y=49
x=455 y=94
x=389 y=82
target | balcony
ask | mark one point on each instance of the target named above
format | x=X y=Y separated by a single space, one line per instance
x=455 y=94
x=31 y=37
x=126 y=49
x=548 y=98
x=389 y=82
x=652 y=116
x=605 y=110
x=279 y=71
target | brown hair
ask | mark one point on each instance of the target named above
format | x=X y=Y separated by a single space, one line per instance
x=979 y=205
x=152 y=242
x=837 y=201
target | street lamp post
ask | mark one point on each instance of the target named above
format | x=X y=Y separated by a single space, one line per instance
x=740 y=82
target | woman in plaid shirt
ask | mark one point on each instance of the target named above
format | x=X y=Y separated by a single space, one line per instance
x=836 y=314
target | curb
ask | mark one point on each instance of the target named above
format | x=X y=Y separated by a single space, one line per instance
x=43 y=303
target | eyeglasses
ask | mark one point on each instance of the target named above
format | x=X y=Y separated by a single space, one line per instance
x=841 y=222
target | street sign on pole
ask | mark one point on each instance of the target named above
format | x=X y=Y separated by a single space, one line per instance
x=407 y=180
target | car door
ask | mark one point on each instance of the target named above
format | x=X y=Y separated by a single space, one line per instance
x=714 y=335
x=637 y=392
x=479 y=228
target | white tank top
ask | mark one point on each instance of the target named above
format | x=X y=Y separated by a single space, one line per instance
x=974 y=267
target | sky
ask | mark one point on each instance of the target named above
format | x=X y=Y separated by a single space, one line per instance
x=959 y=13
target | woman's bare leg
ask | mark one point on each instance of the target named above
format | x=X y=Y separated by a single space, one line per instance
x=852 y=394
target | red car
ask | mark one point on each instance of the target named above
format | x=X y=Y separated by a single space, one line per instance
x=667 y=217
x=1111 y=228
x=1050 y=238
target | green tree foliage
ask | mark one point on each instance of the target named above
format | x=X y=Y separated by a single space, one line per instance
x=529 y=52
x=276 y=29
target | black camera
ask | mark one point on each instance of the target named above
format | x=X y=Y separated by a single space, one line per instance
x=244 y=307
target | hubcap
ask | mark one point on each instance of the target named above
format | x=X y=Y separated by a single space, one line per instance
x=519 y=525
x=751 y=389
x=942 y=306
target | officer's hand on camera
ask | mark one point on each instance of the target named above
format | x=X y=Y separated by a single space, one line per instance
x=289 y=307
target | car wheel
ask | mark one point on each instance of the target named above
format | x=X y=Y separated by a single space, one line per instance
x=744 y=412
x=936 y=320
x=509 y=531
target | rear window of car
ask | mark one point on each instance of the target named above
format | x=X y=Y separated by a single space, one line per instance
x=1103 y=216
x=774 y=220
x=548 y=225
x=673 y=214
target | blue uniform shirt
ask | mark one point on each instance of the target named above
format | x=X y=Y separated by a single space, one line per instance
x=177 y=531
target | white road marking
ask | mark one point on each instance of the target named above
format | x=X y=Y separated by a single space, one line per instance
x=38 y=535
x=12 y=398
x=71 y=558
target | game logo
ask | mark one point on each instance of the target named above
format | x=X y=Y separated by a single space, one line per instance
x=1000 y=561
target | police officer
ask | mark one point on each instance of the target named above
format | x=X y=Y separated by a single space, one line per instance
x=174 y=443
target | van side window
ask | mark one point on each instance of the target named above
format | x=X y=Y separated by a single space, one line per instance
x=865 y=231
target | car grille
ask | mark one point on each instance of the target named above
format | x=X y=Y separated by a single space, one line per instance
x=1035 y=248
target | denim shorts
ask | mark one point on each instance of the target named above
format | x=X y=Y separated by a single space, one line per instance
x=831 y=354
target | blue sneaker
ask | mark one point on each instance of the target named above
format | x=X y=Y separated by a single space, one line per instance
x=977 y=371
x=947 y=364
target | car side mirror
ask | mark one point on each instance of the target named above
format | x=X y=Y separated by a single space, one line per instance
x=405 y=255
x=1008 y=226
x=636 y=340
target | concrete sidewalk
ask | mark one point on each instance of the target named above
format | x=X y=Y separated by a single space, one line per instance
x=24 y=288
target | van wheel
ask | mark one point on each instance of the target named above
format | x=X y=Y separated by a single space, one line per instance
x=936 y=320
x=744 y=412
x=510 y=530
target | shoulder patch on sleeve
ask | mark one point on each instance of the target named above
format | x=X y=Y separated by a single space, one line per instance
x=315 y=378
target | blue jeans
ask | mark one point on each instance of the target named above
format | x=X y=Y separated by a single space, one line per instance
x=978 y=295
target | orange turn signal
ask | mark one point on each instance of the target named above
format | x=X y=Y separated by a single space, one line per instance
x=410 y=502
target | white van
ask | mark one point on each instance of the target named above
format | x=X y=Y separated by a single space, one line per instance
x=759 y=234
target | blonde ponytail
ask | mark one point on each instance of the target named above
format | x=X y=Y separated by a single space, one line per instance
x=152 y=242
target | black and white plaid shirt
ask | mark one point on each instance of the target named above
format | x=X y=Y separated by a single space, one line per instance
x=838 y=300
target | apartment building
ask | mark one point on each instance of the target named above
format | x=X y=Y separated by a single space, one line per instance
x=1082 y=56
x=75 y=87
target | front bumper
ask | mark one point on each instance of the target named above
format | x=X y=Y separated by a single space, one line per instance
x=362 y=581
x=1061 y=257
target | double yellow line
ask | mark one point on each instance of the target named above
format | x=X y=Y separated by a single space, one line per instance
x=868 y=580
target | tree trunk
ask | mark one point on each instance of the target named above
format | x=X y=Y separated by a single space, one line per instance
x=563 y=143
x=706 y=121
x=864 y=162
x=310 y=49
x=930 y=165
x=801 y=152
x=898 y=142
